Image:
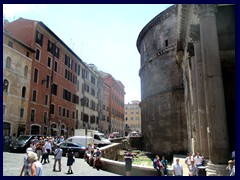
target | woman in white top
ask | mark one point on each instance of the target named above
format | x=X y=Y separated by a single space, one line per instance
x=36 y=166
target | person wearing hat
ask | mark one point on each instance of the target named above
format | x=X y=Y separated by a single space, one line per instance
x=57 y=158
x=36 y=166
x=231 y=168
x=26 y=164
x=128 y=162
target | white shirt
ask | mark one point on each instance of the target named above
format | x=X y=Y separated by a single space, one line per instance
x=198 y=160
x=38 y=168
x=48 y=145
x=177 y=168
x=188 y=159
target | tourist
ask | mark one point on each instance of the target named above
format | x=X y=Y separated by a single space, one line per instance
x=192 y=169
x=70 y=160
x=231 y=168
x=48 y=146
x=26 y=164
x=188 y=159
x=36 y=166
x=58 y=157
x=177 y=168
x=164 y=163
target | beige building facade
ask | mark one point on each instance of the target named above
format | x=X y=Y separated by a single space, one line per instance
x=17 y=66
x=132 y=117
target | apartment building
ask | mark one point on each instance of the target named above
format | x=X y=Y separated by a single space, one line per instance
x=116 y=103
x=132 y=117
x=55 y=67
x=17 y=65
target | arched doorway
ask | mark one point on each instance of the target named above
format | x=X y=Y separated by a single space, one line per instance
x=6 y=129
x=35 y=129
x=63 y=130
x=54 y=130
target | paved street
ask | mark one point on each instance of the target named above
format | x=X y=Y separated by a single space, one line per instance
x=13 y=162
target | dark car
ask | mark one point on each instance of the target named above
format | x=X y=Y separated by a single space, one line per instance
x=78 y=149
x=22 y=143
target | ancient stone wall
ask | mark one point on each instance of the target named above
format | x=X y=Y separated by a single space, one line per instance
x=164 y=127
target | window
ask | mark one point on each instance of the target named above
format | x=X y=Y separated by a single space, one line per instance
x=66 y=95
x=50 y=46
x=79 y=70
x=23 y=92
x=5 y=85
x=55 y=66
x=4 y=107
x=92 y=119
x=32 y=116
x=25 y=71
x=27 y=54
x=35 y=75
x=59 y=111
x=56 y=52
x=52 y=108
x=10 y=44
x=37 y=55
x=45 y=117
x=21 y=113
x=126 y=118
x=68 y=113
x=76 y=114
x=39 y=38
x=93 y=80
x=54 y=89
x=64 y=112
x=93 y=92
x=49 y=62
x=47 y=83
x=166 y=43
x=46 y=100
x=34 y=95
x=73 y=115
x=8 y=63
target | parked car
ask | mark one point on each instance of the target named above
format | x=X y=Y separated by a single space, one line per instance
x=22 y=143
x=77 y=148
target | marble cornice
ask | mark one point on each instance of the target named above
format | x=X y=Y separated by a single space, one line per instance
x=158 y=19
x=157 y=54
x=202 y=10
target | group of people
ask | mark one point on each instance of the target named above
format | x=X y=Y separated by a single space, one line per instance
x=160 y=165
x=93 y=155
x=43 y=147
x=192 y=162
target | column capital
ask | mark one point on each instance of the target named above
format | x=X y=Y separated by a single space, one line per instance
x=202 y=10
x=194 y=32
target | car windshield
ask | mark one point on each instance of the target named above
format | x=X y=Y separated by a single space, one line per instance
x=102 y=137
x=23 y=138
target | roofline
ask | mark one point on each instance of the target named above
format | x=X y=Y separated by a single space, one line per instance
x=20 y=42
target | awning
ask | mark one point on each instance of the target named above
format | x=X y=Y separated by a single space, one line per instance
x=55 y=129
x=64 y=130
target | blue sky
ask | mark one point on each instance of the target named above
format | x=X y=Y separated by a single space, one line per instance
x=102 y=34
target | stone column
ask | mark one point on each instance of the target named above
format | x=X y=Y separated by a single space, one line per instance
x=201 y=111
x=194 y=102
x=213 y=85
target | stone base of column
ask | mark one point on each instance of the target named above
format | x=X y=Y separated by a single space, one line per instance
x=216 y=170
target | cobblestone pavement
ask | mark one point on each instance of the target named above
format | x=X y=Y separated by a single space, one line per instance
x=13 y=162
